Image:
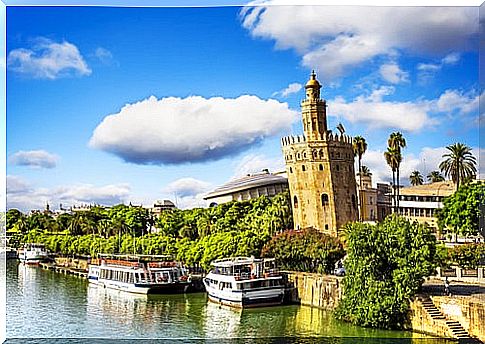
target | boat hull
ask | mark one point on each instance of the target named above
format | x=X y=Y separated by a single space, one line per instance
x=248 y=302
x=168 y=288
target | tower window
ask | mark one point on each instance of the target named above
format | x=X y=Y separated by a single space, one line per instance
x=324 y=199
x=354 y=204
x=304 y=155
x=298 y=155
x=326 y=227
x=303 y=168
x=337 y=167
x=320 y=167
x=295 y=202
x=291 y=170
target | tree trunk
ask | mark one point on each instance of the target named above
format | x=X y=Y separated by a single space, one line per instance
x=360 y=192
x=397 y=190
x=394 y=190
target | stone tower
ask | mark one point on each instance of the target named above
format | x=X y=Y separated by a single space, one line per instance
x=320 y=169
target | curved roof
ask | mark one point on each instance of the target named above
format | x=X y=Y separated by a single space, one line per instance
x=248 y=182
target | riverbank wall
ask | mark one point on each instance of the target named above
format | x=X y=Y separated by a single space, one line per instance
x=469 y=311
x=315 y=290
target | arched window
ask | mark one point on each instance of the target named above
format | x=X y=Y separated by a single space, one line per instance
x=291 y=170
x=324 y=199
x=338 y=168
x=320 y=167
x=303 y=168
x=295 y=202
x=298 y=155
x=304 y=155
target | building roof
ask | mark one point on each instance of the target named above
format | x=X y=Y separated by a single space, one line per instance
x=445 y=188
x=248 y=182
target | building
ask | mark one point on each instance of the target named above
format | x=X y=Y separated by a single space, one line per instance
x=376 y=202
x=368 y=198
x=320 y=169
x=160 y=206
x=384 y=205
x=419 y=203
x=248 y=187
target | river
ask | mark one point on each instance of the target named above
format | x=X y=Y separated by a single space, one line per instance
x=47 y=307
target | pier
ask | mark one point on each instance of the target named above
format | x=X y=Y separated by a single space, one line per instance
x=64 y=270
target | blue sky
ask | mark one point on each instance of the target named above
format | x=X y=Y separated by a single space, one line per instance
x=112 y=105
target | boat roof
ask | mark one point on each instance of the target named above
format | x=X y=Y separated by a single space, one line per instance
x=136 y=256
x=227 y=262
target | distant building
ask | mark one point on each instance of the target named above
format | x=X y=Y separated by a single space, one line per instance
x=161 y=206
x=320 y=169
x=419 y=203
x=368 y=197
x=248 y=187
x=384 y=204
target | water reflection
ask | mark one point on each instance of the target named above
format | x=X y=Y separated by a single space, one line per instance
x=43 y=304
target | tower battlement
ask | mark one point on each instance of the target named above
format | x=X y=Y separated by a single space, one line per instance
x=329 y=137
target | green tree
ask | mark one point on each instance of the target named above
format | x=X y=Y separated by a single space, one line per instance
x=416 y=178
x=435 y=176
x=459 y=163
x=461 y=211
x=385 y=266
x=359 y=146
x=304 y=250
x=13 y=216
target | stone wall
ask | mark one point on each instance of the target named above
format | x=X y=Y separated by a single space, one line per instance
x=422 y=322
x=469 y=311
x=316 y=290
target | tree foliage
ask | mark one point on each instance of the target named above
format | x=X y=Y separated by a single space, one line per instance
x=385 y=266
x=461 y=211
x=468 y=256
x=304 y=250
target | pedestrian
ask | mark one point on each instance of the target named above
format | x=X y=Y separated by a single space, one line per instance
x=447 y=287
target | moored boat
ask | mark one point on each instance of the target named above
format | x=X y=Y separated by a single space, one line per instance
x=141 y=274
x=32 y=253
x=245 y=282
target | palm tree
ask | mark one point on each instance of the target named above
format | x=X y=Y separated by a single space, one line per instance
x=435 y=176
x=416 y=178
x=359 y=146
x=365 y=171
x=393 y=159
x=459 y=164
x=397 y=141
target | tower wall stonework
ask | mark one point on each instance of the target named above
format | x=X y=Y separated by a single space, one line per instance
x=320 y=169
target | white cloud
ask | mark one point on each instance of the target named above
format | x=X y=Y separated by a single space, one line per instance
x=391 y=72
x=378 y=113
x=409 y=116
x=334 y=39
x=426 y=71
x=104 y=55
x=253 y=163
x=194 y=129
x=426 y=161
x=292 y=88
x=184 y=187
x=22 y=195
x=47 y=59
x=34 y=159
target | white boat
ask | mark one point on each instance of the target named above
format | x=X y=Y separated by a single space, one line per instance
x=245 y=282
x=139 y=274
x=32 y=253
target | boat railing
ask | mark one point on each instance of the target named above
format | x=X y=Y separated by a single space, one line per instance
x=162 y=264
x=124 y=263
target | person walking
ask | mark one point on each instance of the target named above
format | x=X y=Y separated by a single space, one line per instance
x=447 y=287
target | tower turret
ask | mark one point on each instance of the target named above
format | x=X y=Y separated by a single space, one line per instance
x=313 y=109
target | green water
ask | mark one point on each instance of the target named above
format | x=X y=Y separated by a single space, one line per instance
x=45 y=304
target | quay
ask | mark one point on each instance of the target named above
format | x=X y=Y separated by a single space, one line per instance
x=64 y=269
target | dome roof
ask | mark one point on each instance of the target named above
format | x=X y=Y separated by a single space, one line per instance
x=313 y=82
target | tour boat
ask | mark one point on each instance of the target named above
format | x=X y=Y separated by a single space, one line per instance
x=245 y=282
x=33 y=253
x=141 y=274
